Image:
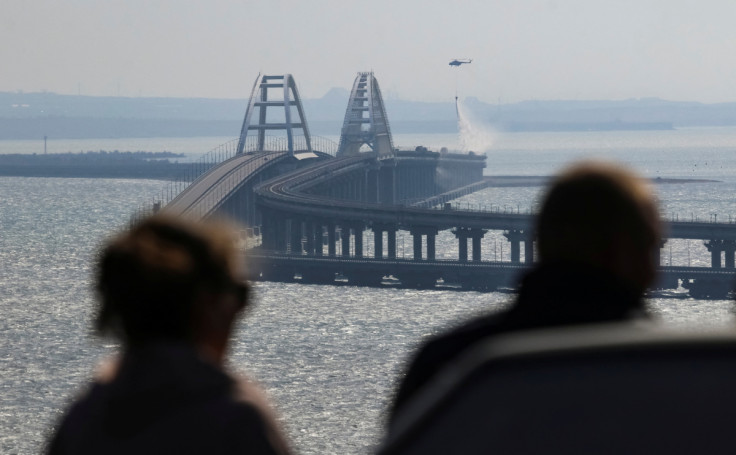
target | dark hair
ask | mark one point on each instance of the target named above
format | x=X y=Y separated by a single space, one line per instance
x=149 y=277
x=588 y=205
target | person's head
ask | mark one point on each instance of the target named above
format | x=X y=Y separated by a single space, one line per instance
x=168 y=278
x=602 y=215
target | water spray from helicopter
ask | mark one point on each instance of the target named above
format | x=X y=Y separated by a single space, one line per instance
x=473 y=134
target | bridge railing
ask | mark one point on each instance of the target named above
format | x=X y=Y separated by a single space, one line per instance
x=712 y=218
x=220 y=154
x=506 y=209
x=229 y=183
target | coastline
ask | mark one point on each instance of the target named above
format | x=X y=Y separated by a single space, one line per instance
x=101 y=164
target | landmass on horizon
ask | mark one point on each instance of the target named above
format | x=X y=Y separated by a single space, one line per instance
x=39 y=114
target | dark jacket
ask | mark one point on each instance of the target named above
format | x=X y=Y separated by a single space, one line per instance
x=551 y=295
x=165 y=399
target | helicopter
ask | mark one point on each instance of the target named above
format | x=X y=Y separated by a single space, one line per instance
x=460 y=61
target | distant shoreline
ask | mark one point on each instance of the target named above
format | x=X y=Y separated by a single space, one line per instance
x=100 y=164
x=105 y=128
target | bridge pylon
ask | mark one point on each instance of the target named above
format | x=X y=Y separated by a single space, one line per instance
x=365 y=122
x=288 y=97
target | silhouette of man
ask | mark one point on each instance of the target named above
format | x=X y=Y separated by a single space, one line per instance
x=170 y=292
x=598 y=235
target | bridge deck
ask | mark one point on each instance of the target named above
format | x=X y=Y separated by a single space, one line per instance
x=210 y=190
x=285 y=193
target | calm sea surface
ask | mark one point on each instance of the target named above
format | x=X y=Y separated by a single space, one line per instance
x=328 y=356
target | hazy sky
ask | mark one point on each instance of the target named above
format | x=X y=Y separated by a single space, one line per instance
x=521 y=49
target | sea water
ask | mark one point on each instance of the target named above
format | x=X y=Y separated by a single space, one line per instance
x=329 y=357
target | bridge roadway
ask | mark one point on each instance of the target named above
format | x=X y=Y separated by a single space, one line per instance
x=286 y=193
x=286 y=197
x=203 y=196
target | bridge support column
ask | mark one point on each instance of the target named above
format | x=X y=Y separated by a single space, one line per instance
x=331 y=240
x=378 y=241
x=392 y=242
x=514 y=237
x=462 y=235
x=715 y=247
x=310 y=237
x=358 y=232
x=417 y=246
x=345 y=237
x=462 y=238
x=658 y=253
x=477 y=235
x=529 y=249
x=431 y=246
x=319 y=239
x=417 y=233
x=296 y=236
x=729 y=248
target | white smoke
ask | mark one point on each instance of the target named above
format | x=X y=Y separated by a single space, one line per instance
x=473 y=134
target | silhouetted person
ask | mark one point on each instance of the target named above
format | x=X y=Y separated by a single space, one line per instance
x=597 y=236
x=170 y=292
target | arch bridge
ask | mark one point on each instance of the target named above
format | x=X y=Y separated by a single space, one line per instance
x=314 y=205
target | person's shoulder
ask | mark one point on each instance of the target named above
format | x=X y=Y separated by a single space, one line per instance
x=254 y=419
x=450 y=343
x=73 y=423
x=440 y=350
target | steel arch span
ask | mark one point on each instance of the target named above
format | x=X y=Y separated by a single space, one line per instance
x=280 y=93
x=365 y=122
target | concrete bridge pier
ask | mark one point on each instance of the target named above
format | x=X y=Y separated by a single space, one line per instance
x=319 y=238
x=354 y=230
x=392 y=242
x=331 y=240
x=417 y=233
x=309 y=231
x=515 y=238
x=378 y=242
x=729 y=248
x=477 y=235
x=716 y=248
x=296 y=236
x=378 y=230
x=431 y=246
x=658 y=253
x=462 y=235
x=345 y=238
x=358 y=233
x=529 y=249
